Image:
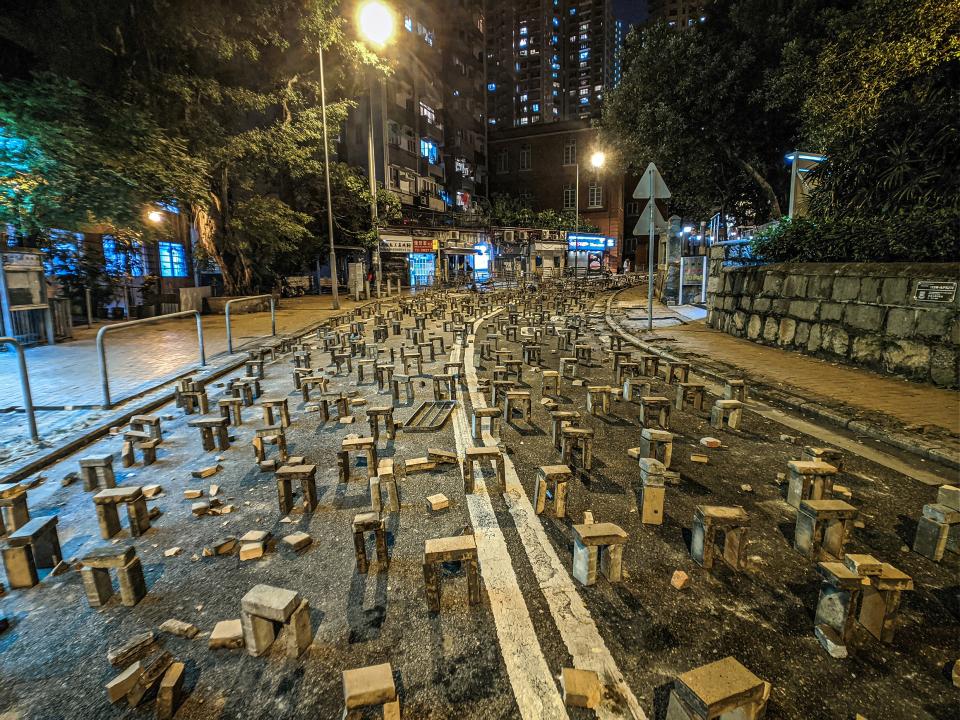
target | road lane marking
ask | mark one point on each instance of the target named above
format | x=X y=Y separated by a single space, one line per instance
x=534 y=687
x=572 y=618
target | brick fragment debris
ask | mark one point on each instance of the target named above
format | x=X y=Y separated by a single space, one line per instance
x=438 y=502
x=133 y=648
x=226 y=635
x=180 y=628
x=206 y=472
x=581 y=688
x=679 y=580
x=298 y=540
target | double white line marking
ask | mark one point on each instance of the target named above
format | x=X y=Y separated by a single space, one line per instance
x=534 y=687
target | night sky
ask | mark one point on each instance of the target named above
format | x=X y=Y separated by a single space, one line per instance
x=630 y=11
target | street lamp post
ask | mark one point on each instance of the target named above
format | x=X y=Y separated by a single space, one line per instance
x=597 y=159
x=376 y=23
x=326 y=172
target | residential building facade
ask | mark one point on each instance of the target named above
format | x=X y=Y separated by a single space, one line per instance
x=541 y=166
x=428 y=115
x=678 y=14
x=548 y=60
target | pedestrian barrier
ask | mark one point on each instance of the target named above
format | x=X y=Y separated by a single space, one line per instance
x=273 y=316
x=24 y=385
x=102 y=352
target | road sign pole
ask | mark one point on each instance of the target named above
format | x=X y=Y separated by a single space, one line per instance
x=650 y=258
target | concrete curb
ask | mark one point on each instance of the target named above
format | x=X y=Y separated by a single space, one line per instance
x=122 y=417
x=899 y=440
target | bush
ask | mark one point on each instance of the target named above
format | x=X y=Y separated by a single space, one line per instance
x=918 y=235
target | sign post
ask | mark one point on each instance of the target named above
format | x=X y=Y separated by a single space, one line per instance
x=656 y=189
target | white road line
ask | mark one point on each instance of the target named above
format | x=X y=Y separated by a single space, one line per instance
x=573 y=620
x=533 y=685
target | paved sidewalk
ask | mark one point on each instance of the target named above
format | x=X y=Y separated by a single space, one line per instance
x=819 y=380
x=65 y=378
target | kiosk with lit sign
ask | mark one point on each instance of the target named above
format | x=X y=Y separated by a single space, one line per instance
x=585 y=251
x=482 y=255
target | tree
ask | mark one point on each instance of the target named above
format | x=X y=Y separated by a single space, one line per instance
x=885 y=112
x=234 y=83
x=509 y=211
x=69 y=158
x=717 y=106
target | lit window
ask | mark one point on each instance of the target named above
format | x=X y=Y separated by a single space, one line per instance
x=584 y=101
x=173 y=259
x=122 y=259
x=64 y=255
x=573 y=11
x=536 y=107
x=523 y=30
x=584 y=91
x=428 y=149
x=523 y=42
x=523 y=98
x=524 y=120
x=491 y=87
x=556 y=22
x=595 y=197
x=408 y=23
x=428 y=113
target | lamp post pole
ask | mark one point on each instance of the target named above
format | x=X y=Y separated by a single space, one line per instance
x=372 y=171
x=576 y=222
x=326 y=173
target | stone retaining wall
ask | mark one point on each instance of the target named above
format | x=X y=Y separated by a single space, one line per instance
x=861 y=313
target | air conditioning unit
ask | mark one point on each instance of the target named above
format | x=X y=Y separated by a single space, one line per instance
x=508 y=236
x=523 y=234
x=453 y=235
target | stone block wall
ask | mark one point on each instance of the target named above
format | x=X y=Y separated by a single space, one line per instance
x=861 y=313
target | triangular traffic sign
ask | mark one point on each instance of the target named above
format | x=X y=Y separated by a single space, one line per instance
x=660 y=190
x=643 y=222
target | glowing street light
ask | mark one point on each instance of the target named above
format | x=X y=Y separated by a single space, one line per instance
x=597 y=159
x=376 y=22
x=155 y=216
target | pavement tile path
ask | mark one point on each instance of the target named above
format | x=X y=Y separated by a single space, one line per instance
x=908 y=402
x=65 y=378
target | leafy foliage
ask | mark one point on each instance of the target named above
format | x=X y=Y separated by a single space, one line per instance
x=907 y=236
x=717 y=105
x=70 y=158
x=215 y=104
x=885 y=115
x=509 y=211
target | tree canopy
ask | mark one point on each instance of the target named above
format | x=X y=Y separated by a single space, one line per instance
x=509 y=211
x=108 y=106
x=716 y=106
x=869 y=83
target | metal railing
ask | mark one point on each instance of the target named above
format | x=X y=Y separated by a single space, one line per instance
x=273 y=316
x=24 y=385
x=102 y=352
